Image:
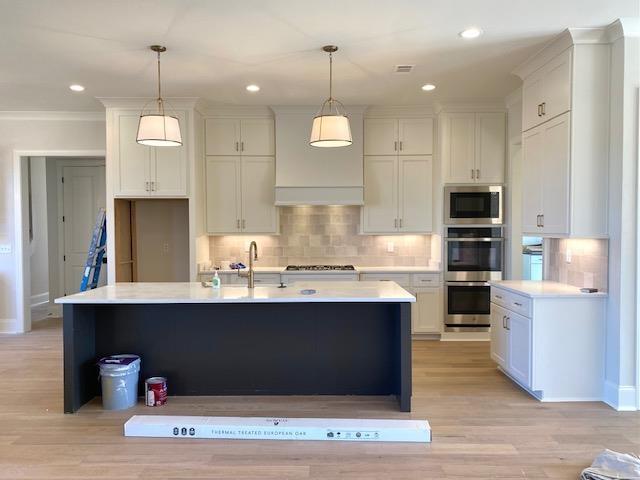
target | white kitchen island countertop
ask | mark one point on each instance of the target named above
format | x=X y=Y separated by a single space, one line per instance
x=171 y=293
x=544 y=288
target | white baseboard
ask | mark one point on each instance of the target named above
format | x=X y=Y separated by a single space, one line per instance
x=40 y=299
x=621 y=397
x=10 y=325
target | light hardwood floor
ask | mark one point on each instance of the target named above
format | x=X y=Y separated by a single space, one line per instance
x=483 y=427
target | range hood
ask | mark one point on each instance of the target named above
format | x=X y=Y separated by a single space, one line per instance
x=307 y=175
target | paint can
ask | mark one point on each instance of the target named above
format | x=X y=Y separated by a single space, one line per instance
x=155 y=391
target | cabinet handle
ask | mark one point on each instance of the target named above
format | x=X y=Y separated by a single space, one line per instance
x=539 y=106
x=242 y=146
x=508 y=321
x=146 y=186
x=478 y=174
x=244 y=223
x=504 y=321
x=518 y=304
x=238 y=223
x=537 y=220
x=395 y=146
x=499 y=297
x=400 y=145
x=237 y=146
x=153 y=186
x=542 y=220
x=400 y=223
x=473 y=173
x=544 y=108
x=395 y=223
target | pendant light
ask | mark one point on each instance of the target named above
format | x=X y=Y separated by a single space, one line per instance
x=156 y=129
x=331 y=124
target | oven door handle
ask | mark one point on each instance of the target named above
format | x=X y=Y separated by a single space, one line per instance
x=479 y=283
x=484 y=239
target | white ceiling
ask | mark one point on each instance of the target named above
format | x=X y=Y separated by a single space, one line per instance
x=215 y=48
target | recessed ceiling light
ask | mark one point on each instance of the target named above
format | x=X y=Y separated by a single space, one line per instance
x=253 y=88
x=471 y=32
x=428 y=87
x=76 y=88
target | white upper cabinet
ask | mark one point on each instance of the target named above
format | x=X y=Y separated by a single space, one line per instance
x=397 y=194
x=405 y=136
x=222 y=136
x=380 y=211
x=233 y=136
x=473 y=147
x=259 y=214
x=566 y=143
x=141 y=171
x=240 y=194
x=415 y=194
x=546 y=93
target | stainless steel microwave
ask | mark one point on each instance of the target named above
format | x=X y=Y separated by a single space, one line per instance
x=473 y=205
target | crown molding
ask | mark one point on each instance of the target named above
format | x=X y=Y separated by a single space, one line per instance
x=313 y=109
x=478 y=105
x=403 y=111
x=624 y=27
x=232 y=111
x=138 y=103
x=53 y=115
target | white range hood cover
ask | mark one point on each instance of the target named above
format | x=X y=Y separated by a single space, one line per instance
x=307 y=175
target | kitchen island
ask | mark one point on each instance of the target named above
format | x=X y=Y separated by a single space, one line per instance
x=310 y=338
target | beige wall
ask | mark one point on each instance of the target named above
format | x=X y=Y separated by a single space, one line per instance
x=34 y=131
x=39 y=245
x=323 y=235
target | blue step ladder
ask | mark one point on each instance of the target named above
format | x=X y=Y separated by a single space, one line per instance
x=97 y=249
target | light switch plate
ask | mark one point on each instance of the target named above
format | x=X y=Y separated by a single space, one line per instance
x=568 y=255
x=5 y=248
x=390 y=247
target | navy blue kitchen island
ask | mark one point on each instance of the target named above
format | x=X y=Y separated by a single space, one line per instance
x=347 y=338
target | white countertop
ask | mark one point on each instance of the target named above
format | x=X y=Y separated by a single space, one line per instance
x=358 y=269
x=144 y=293
x=543 y=289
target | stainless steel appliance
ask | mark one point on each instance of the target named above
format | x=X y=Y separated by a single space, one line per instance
x=473 y=255
x=473 y=205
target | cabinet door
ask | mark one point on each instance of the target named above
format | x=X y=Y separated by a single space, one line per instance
x=533 y=151
x=428 y=317
x=519 y=356
x=257 y=137
x=499 y=335
x=380 y=136
x=415 y=194
x=258 y=195
x=555 y=176
x=380 y=211
x=223 y=194
x=458 y=147
x=490 y=147
x=133 y=170
x=222 y=136
x=557 y=86
x=169 y=166
x=415 y=136
x=532 y=98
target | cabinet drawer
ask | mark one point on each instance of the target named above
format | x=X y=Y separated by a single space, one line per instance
x=425 y=279
x=511 y=301
x=403 y=279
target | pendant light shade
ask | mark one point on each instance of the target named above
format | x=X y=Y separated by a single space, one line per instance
x=331 y=125
x=156 y=128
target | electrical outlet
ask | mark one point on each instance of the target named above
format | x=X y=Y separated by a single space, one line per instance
x=568 y=255
x=5 y=248
x=165 y=248
x=390 y=247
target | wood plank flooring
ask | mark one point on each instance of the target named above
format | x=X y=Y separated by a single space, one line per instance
x=484 y=427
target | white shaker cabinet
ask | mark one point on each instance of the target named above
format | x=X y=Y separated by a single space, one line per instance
x=240 y=136
x=141 y=171
x=404 y=136
x=473 y=147
x=397 y=194
x=426 y=313
x=551 y=344
x=240 y=195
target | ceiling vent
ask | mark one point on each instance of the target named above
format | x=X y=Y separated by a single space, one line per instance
x=404 y=68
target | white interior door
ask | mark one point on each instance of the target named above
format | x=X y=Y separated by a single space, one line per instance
x=258 y=195
x=380 y=211
x=415 y=195
x=83 y=194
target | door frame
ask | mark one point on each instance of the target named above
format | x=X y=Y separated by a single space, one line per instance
x=22 y=261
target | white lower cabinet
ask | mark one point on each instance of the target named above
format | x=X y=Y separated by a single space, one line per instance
x=426 y=313
x=552 y=346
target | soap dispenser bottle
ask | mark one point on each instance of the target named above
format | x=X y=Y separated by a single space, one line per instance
x=215 y=281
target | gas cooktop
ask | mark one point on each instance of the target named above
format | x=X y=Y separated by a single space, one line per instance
x=320 y=268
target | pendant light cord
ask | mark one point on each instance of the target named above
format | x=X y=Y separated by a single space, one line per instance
x=330 y=79
x=160 y=103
